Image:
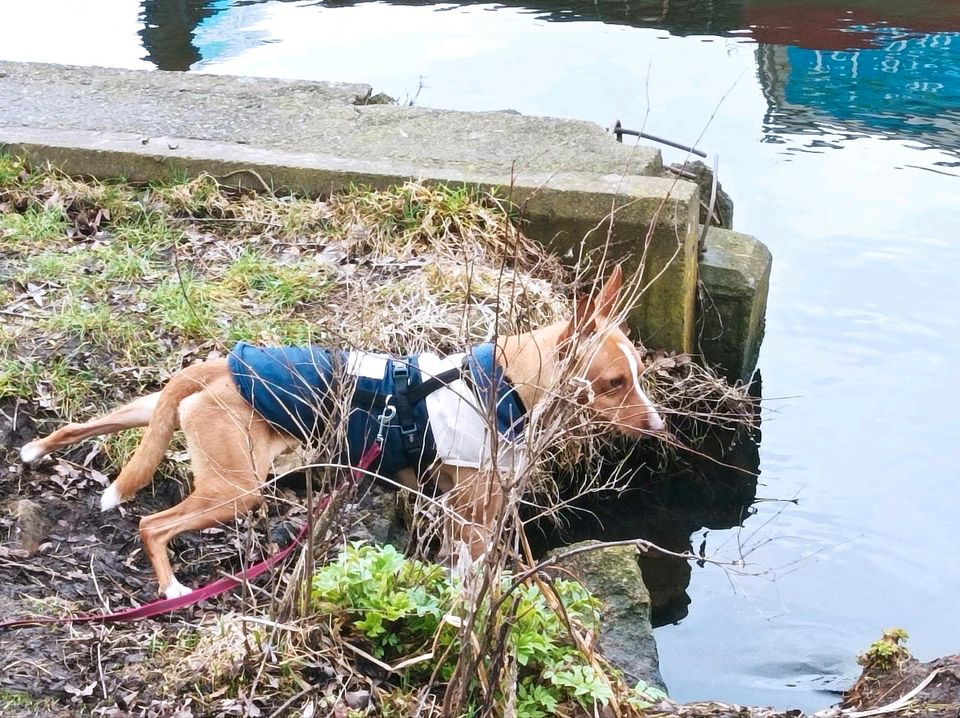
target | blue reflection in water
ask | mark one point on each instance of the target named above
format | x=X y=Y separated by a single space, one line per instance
x=908 y=87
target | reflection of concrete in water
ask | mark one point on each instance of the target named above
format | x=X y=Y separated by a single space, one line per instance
x=168 y=31
x=678 y=17
x=908 y=88
x=668 y=510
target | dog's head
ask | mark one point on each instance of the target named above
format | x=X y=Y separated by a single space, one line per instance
x=608 y=364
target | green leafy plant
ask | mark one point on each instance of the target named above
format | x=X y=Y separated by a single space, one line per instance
x=396 y=603
x=887 y=652
x=398 y=607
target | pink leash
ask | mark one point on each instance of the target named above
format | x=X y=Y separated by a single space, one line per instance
x=215 y=588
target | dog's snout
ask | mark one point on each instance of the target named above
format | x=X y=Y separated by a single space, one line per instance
x=655 y=422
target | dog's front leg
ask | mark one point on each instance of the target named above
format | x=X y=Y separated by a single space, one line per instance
x=475 y=502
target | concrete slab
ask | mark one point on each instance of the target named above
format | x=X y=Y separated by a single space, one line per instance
x=570 y=177
x=312 y=117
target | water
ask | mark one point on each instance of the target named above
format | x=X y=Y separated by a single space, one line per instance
x=837 y=126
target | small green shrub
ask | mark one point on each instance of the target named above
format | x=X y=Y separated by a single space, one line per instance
x=887 y=652
x=398 y=605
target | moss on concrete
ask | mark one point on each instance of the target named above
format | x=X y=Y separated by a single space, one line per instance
x=735 y=275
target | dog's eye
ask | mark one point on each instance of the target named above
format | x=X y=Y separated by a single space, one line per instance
x=617 y=382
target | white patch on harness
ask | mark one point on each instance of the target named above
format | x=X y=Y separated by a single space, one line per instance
x=462 y=431
x=367 y=364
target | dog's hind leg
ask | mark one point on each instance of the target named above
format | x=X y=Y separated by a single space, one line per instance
x=164 y=420
x=137 y=413
x=231 y=450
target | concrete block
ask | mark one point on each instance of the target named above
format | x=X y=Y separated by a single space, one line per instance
x=735 y=274
x=570 y=177
x=624 y=209
x=317 y=118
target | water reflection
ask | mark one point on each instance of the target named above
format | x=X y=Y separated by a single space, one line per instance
x=860 y=67
x=169 y=27
x=673 y=510
x=907 y=87
x=845 y=24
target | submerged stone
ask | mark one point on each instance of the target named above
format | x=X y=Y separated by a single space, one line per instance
x=613 y=575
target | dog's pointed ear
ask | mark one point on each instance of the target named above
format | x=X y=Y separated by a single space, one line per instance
x=609 y=294
x=583 y=323
x=584 y=316
x=590 y=308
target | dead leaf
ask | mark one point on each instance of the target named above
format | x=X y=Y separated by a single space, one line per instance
x=91 y=455
x=74 y=691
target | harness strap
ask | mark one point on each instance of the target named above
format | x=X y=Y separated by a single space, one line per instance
x=412 y=438
x=415 y=394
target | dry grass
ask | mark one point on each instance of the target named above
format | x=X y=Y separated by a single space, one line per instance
x=107 y=288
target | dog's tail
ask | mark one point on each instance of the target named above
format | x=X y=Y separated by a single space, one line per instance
x=139 y=470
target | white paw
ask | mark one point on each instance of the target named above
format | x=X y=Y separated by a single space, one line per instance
x=175 y=589
x=110 y=498
x=463 y=562
x=32 y=452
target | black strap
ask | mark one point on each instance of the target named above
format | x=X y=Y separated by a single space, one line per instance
x=373 y=400
x=422 y=390
x=411 y=437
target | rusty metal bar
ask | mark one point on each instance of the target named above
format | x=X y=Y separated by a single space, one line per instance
x=620 y=131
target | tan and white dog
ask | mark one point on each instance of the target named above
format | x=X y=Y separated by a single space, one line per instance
x=232 y=447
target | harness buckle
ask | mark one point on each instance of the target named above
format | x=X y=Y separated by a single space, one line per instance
x=385 y=419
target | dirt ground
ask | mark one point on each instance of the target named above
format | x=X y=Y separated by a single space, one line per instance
x=59 y=555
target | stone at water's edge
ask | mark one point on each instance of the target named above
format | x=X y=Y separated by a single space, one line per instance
x=940 y=698
x=735 y=273
x=626 y=636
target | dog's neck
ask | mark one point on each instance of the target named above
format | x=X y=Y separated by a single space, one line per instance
x=530 y=361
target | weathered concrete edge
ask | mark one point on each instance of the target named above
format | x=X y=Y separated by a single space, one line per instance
x=307 y=116
x=138 y=158
x=735 y=272
x=550 y=199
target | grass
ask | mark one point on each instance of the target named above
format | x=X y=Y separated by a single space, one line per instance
x=24 y=702
x=113 y=283
x=36 y=225
x=187 y=305
x=107 y=288
x=277 y=284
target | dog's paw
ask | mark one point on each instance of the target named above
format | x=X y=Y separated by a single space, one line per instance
x=32 y=452
x=463 y=562
x=175 y=589
x=111 y=498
